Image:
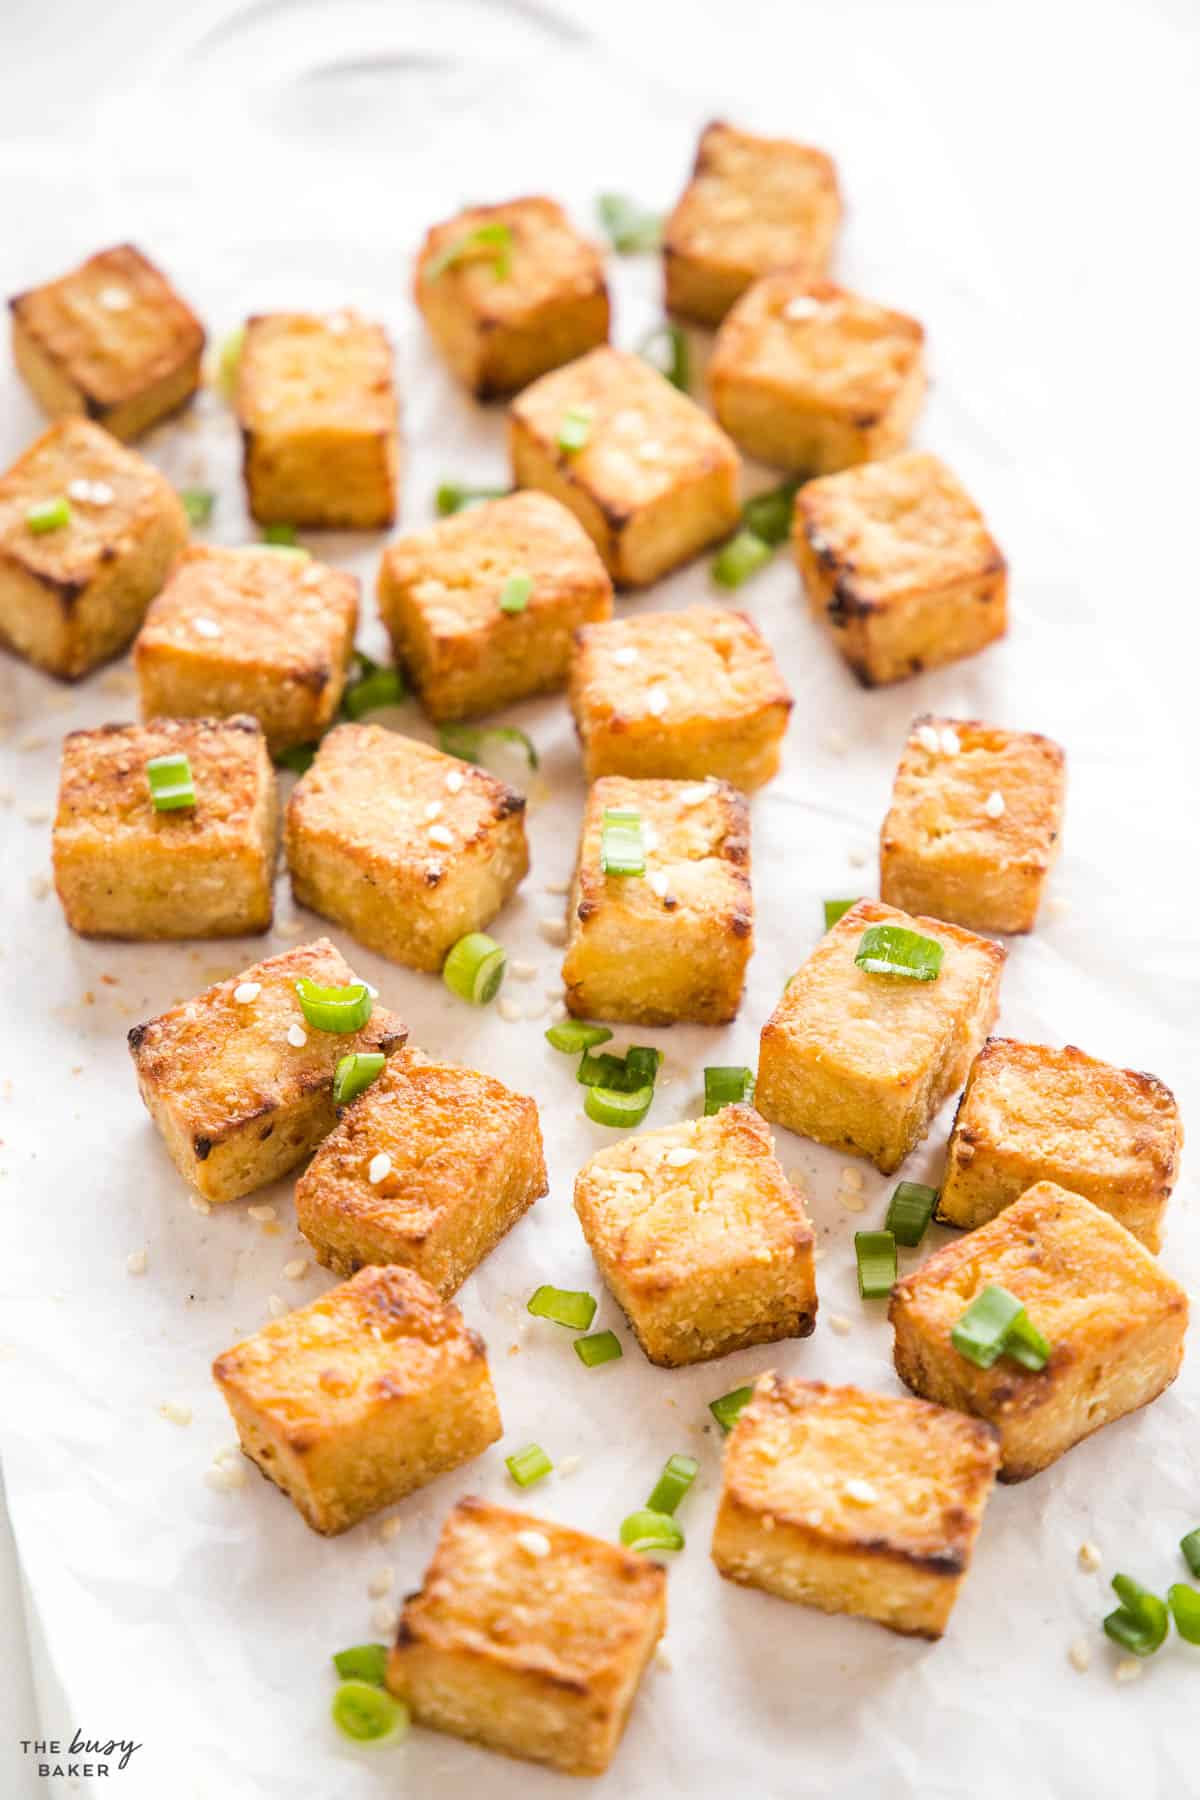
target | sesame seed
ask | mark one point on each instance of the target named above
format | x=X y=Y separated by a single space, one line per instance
x=556 y=887
x=433 y=809
x=857 y=859
x=379 y=1583
x=262 y=1211
x=951 y=742
x=296 y=1269
x=225 y=1479
x=1128 y=1669
x=206 y=628
x=995 y=804
x=625 y=656
x=379 y=1166
x=680 y=1157
x=297 y=1037
x=454 y=781
x=508 y=1009
x=384 y=1619
x=553 y=930
x=388 y=1528
x=802 y=306
x=649 y=835
x=1089 y=1557
x=696 y=796
x=33 y=741
x=136 y=1262
x=851 y=1177
x=114 y=299
x=36 y=815
x=199 y=1204
x=1079 y=1655
x=928 y=739
x=228 y=1453
x=102 y=494
x=175 y=1413
x=839 y=1323
x=861 y=1492
x=558 y=1012
x=246 y=991
x=837 y=743
x=656 y=702
x=290 y=928
x=441 y=835
x=656 y=881
x=536 y=1009
x=851 y=1200
x=39 y=887
x=534 y=1543
x=523 y=971
x=276 y=1306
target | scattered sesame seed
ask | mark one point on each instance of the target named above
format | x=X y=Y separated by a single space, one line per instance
x=262 y=1211
x=558 y=1012
x=442 y=835
x=379 y=1167
x=656 y=702
x=1128 y=1669
x=662 y=1655
x=199 y=1204
x=861 y=1492
x=851 y=1200
x=802 y=306
x=39 y=887
x=523 y=971
x=553 y=930
x=836 y=742
x=839 y=1323
x=1057 y=907
x=625 y=656
x=1089 y=1557
x=656 y=881
x=534 y=1543
x=388 y=1528
x=433 y=809
x=508 y=1009
x=995 y=804
x=379 y=1583
x=556 y=887
x=296 y=1269
x=206 y=628
x=228 y=1453
x=818 y=1253
x=175 y=1413
x=951 y=742
x=928 y=739
x=680 y=1157
x=857 y=859
x=454 y=781
x=384 y=1619
x=114 y=299
x=246 y=991
x=297 y=1037
x=33 y=741
x=696 y=796
x=290 y=928
x=136 y=1262
x=649 y=835
x=536 y=1009
x=568 y=1465
x=276 y=1306
x=1079 y=1655
x=225 y=1478
x=37 y=816
x=851 y=1177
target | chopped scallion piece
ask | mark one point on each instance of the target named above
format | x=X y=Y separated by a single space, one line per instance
x=363 y=1662
x=630 y=229
x=528 y=1465
x=622 y=846
x=648 y=1530
x=333 y=1009
x=1184 y=1602
x=492 y=240
x=728 y=1409
x=575 y=428
x=601 y=1347
x=875 y=1253
x=638 y=1068
x=1190 y=1546
x=894 y=950
x=171 y=785
x=198 y=504
x=372 y=686
x=368 y=1714
x=1025 y=1343
x=1140 y=1622
x=564 y=1306
x=642 y=1063
x=678 y=1474
x=48 y=515
x=909 y=1212
x=608 y=1107
x=515 y=594
x=573 y=1036
x=980 y=1333
x=743 y=556
x=769 y=515
x=280 y=535
x=666 y=349
x=834 y=910
x=727 y=1087
x=467 y=741
x=293 y=552
x=451 y=498
x=474 y=968
x=298 y=757
x=354 y=1075
x=229 y=359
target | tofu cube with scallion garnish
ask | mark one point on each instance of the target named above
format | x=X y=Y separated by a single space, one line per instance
x=528 y=1637
x=411 y=850
x=876 y=1030
x=1099 y=1326
x=167 y=830
x=316 y=403
x=660 y=917
x=88 y=534
x=112 y=340
x=350 y=1403
x=898 y=561
x=808 y=377
x=240 y=1080
x=648 y=475
x=700 y=1237
x=853 y=1502
x=1032 y=1113
x=685 y=695
x=510 y=291
x=481 y=608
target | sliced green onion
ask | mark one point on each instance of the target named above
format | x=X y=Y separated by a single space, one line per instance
x=528 y=1465
x=514 y=595
x=229 y=359
x=573 y=1035
x=980 y=1333
x=466 y=741
x=334 y=1009
x=171 y=785
x=728 y=1409
x=48 y=515
x=1184 y=1602
x=678 y=1474
x=834 y=910
x=451 y=498
x=280 y=534
x=769 y=515
x=642 y=1063
x=1190 y=1546
x=875 y=1254
x=909 y=1212
x=198 y=504
x=638 y=1068
x=373 y=686
x=648 y=1530
x=575 y=428
x=1140 y=1622
x=298 y=757
x=608 y=1107
x=743 y=556
x=474 y=968
x=727 y=1087
x=630 y=229
x=666 y=349
x=368 y=1714
x=894 y=950
x=293 y=552
x=622 y=846
x=355 y=1073
x=601 y=1347
x=1025 y=1343
x=564 y=1306
x=492 y=240
x=363 y=1662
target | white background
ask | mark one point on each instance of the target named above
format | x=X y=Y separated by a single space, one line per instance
x=1021 y=178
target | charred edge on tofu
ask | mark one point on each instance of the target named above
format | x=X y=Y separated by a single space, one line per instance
x=67 y=593
x=848 y=603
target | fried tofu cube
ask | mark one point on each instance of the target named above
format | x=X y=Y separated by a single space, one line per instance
x=352 y=1402
x=112 y=340
x=72 y=597
x=753 y=204
x=316 y=403
x=407 y=848
x=1114 y=1320
x=528 y=1637
x=863 y=1061
x=973 y=828
x=652 y=479
x=465 y=1162
x=249 y=631
x=125 y=870
x=896 y=558
x=1030 y=1113
x=700 y=1237
x=510 y=291
x=853 y=1502
x=237 y=1081
x=814 y=379
x=672 y=944
x=443 y=595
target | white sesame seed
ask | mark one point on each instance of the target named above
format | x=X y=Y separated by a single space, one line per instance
x=296 y=1269
x=951 y=742
x=836 y=742
x=454 y=781
x=441 y=835
x=558 y=1012
x=857 y=859
x=556 y=887
x=380 y=1582
x=136 y=1262
x=861 y=1492
x=114 y=299
x=1128 y=1669
x=384 y=1619
x=33 y=741
x=995 y=804
x=102 y=494
x=928 y=739
x=553 y=930
x=818 y=1253
x=508 y=1009
x=649 y=835
x=225 y=1479
x=656 y=881
x=696 y=796
x=433 y=809
x=1089 y=1557
x=297 y=1037
x=568 y=1465
x=1079 y=1655
x=379 y=1167
x=625 y=656
x=662 y=1655
x=276 y=1306
x=534 y=1543
x=523 y=971
x=262 y=1212
x=802 y=306
x=39 y=886
x=207 y=628
x=680 y=1157
x=246 y=991
x=36 y=815
x=656 y=702
x=175 y=1413
x=290 y=928
x=389 y=1528
x=839 y=1323
x=199 y=1204
x=536 y=1009
x=228 y=1453
x=851 y=1177
x=851 y=1200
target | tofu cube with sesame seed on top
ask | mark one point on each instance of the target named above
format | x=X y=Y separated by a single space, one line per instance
x=237 y=1081
x=406 y=847
x=650 y=477
x=351 y=1402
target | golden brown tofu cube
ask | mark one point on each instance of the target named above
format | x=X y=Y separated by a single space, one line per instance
x=407 y=848
x=316 y=403
x=351 y=1403
x=897 y=559
x=461 y=620
x=753 y=204
x=249 y=631
x=685 y=695
x=111 y=340
x=237 y=1081
x=125 y=870
x=652 y=479
x=528 y=1637
x=853 y=1502
x=671 y=944
x=73 y=596
x=1030 y=1113
x=464 y=1162
x=973 y=828
x=862 y=1061
x=510 y=291
x=701 y=1237
x=1114 y=1321
x=814 y=379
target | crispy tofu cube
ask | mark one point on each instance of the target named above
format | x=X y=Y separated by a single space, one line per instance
x=125 y=870
x=1114 y=1320
x=897 y=559
x=112 y=340
x=753 y=204
x=685 y=695
x=973 y=828
x=466 y=1163
x=440 y=594
x=528 y=1637
x=237 y=1081
x=673 y=944
x=73 y=597
x=701 y=1237
x=655 y=480
x=510 y=291
x=814 y=379
x=351 y=1403
x=316 y=402
x=863 y=1061
x=407 y=848
x=1030 y=1113
x=853 y=1502
x=249 y=631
